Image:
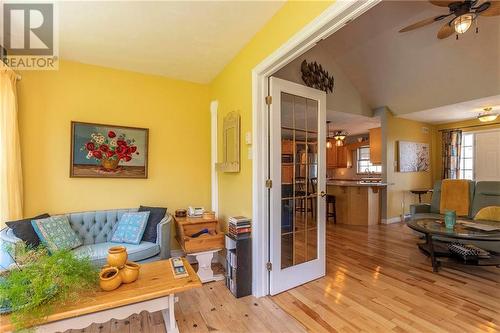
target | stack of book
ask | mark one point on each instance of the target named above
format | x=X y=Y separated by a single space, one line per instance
x=239 y=227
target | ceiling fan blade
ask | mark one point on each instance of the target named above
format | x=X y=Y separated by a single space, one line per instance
x=493 y=10
x=423 y=23
x=445 y=31
x=442 y=3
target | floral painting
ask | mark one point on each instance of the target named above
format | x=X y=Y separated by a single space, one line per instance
x=108 y=151
x=413 y=156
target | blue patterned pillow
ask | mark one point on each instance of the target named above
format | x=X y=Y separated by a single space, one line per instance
x=130 y=228
x=56 y=233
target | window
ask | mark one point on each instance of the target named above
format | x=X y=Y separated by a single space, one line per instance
x=363 y=161
x=467 y=157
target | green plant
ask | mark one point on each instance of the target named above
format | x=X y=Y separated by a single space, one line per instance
x=34 y=287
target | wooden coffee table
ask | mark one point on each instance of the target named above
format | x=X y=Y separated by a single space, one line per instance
x=154 y=291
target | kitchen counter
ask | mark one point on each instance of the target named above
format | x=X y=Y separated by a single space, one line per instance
x=355 y=183
x=356 y=202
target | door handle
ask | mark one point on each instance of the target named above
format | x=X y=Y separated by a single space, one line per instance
x=323 y=194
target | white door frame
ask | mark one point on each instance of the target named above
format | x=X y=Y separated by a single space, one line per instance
x=332 y=19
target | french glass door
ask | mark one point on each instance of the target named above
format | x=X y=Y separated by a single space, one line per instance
x=298 y=172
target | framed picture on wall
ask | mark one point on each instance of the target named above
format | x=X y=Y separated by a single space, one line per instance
x=413 y=156
x=108 y=151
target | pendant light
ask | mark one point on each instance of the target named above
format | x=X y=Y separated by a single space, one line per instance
x=487 y=115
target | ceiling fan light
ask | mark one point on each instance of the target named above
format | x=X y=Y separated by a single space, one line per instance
x=329 y=144
x=339 y=143
x=463 y=23
x=487 y=117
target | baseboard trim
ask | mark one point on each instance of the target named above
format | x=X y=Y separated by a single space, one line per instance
x=391 y=220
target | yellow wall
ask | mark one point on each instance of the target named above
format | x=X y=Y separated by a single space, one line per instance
x=233 y=89
x=470 y=125
x=399 y=129
x=176 y=113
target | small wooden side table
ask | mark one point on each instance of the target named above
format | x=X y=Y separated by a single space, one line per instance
x=202 y=248
x=420 y=192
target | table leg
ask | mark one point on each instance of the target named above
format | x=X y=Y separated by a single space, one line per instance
x=169 y=316
x=419 y=198
x=435 y=262
x=205 y=272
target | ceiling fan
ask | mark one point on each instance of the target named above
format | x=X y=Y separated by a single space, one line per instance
x=463 y=14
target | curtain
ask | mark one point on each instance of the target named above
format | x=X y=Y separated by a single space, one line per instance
x=11 y=186
x=452 y=147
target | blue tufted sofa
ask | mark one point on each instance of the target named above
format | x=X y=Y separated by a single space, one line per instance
x=95 y=230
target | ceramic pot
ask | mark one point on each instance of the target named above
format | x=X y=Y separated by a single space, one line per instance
x=117 y=256
x=110 y=279
x=109 y=164
x=130 y=272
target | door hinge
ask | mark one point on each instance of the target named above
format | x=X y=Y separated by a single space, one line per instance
x=269 y=266
x=269 y=100
x=269 y=183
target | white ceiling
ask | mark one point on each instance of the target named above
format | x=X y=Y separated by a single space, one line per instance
x=415 y=71
x=455 y=112
x=180 y=39
x=352 y=123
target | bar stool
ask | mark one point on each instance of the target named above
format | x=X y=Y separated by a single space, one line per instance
x=330 y=202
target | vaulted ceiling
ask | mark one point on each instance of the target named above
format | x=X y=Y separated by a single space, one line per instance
x=181 y=39
x=415 y=71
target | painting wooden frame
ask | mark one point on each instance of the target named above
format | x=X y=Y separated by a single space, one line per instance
x=108 y=151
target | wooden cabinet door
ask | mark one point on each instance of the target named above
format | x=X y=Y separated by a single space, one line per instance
x=342 y=156
x=331 y=155
x=376 y=145
x=287 y=147
x=287 y=174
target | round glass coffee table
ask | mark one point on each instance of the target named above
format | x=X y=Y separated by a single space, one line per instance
x=432 y=227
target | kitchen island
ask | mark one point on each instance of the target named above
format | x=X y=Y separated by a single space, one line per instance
x=357 y=202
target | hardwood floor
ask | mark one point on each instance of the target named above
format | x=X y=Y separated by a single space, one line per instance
x=378 y=281
x=211 y=308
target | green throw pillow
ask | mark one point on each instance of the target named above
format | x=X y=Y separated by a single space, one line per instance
x=56 y=233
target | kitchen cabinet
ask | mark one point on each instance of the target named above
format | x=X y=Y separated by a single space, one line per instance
x=287 y=147
x=376 y=145
x=331 y=155
x=338 y=157
x=286 y=174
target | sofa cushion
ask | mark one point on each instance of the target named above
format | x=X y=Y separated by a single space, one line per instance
x=99 y=252
x=130 y=228
x=56 y=233
x=23 y=230
x=96 y=226
x=487 y=194
x=156 y=214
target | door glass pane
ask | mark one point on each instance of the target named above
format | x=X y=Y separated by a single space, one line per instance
x=299 y=179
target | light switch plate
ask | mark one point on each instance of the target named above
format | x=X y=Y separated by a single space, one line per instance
x=248 y=138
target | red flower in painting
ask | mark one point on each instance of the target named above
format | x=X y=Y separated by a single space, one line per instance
x=127 y=158
x=97 y=154
x=104 y=148
x=110 y=153
x=121 y=143
x=133 y=149
x=90 y=146
x=120 y=150
x=111 y=134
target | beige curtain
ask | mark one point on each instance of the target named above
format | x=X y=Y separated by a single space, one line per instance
x=11 y=183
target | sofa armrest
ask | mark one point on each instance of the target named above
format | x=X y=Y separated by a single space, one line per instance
x=163 y=236
x=8 y=243
x=420 y=209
